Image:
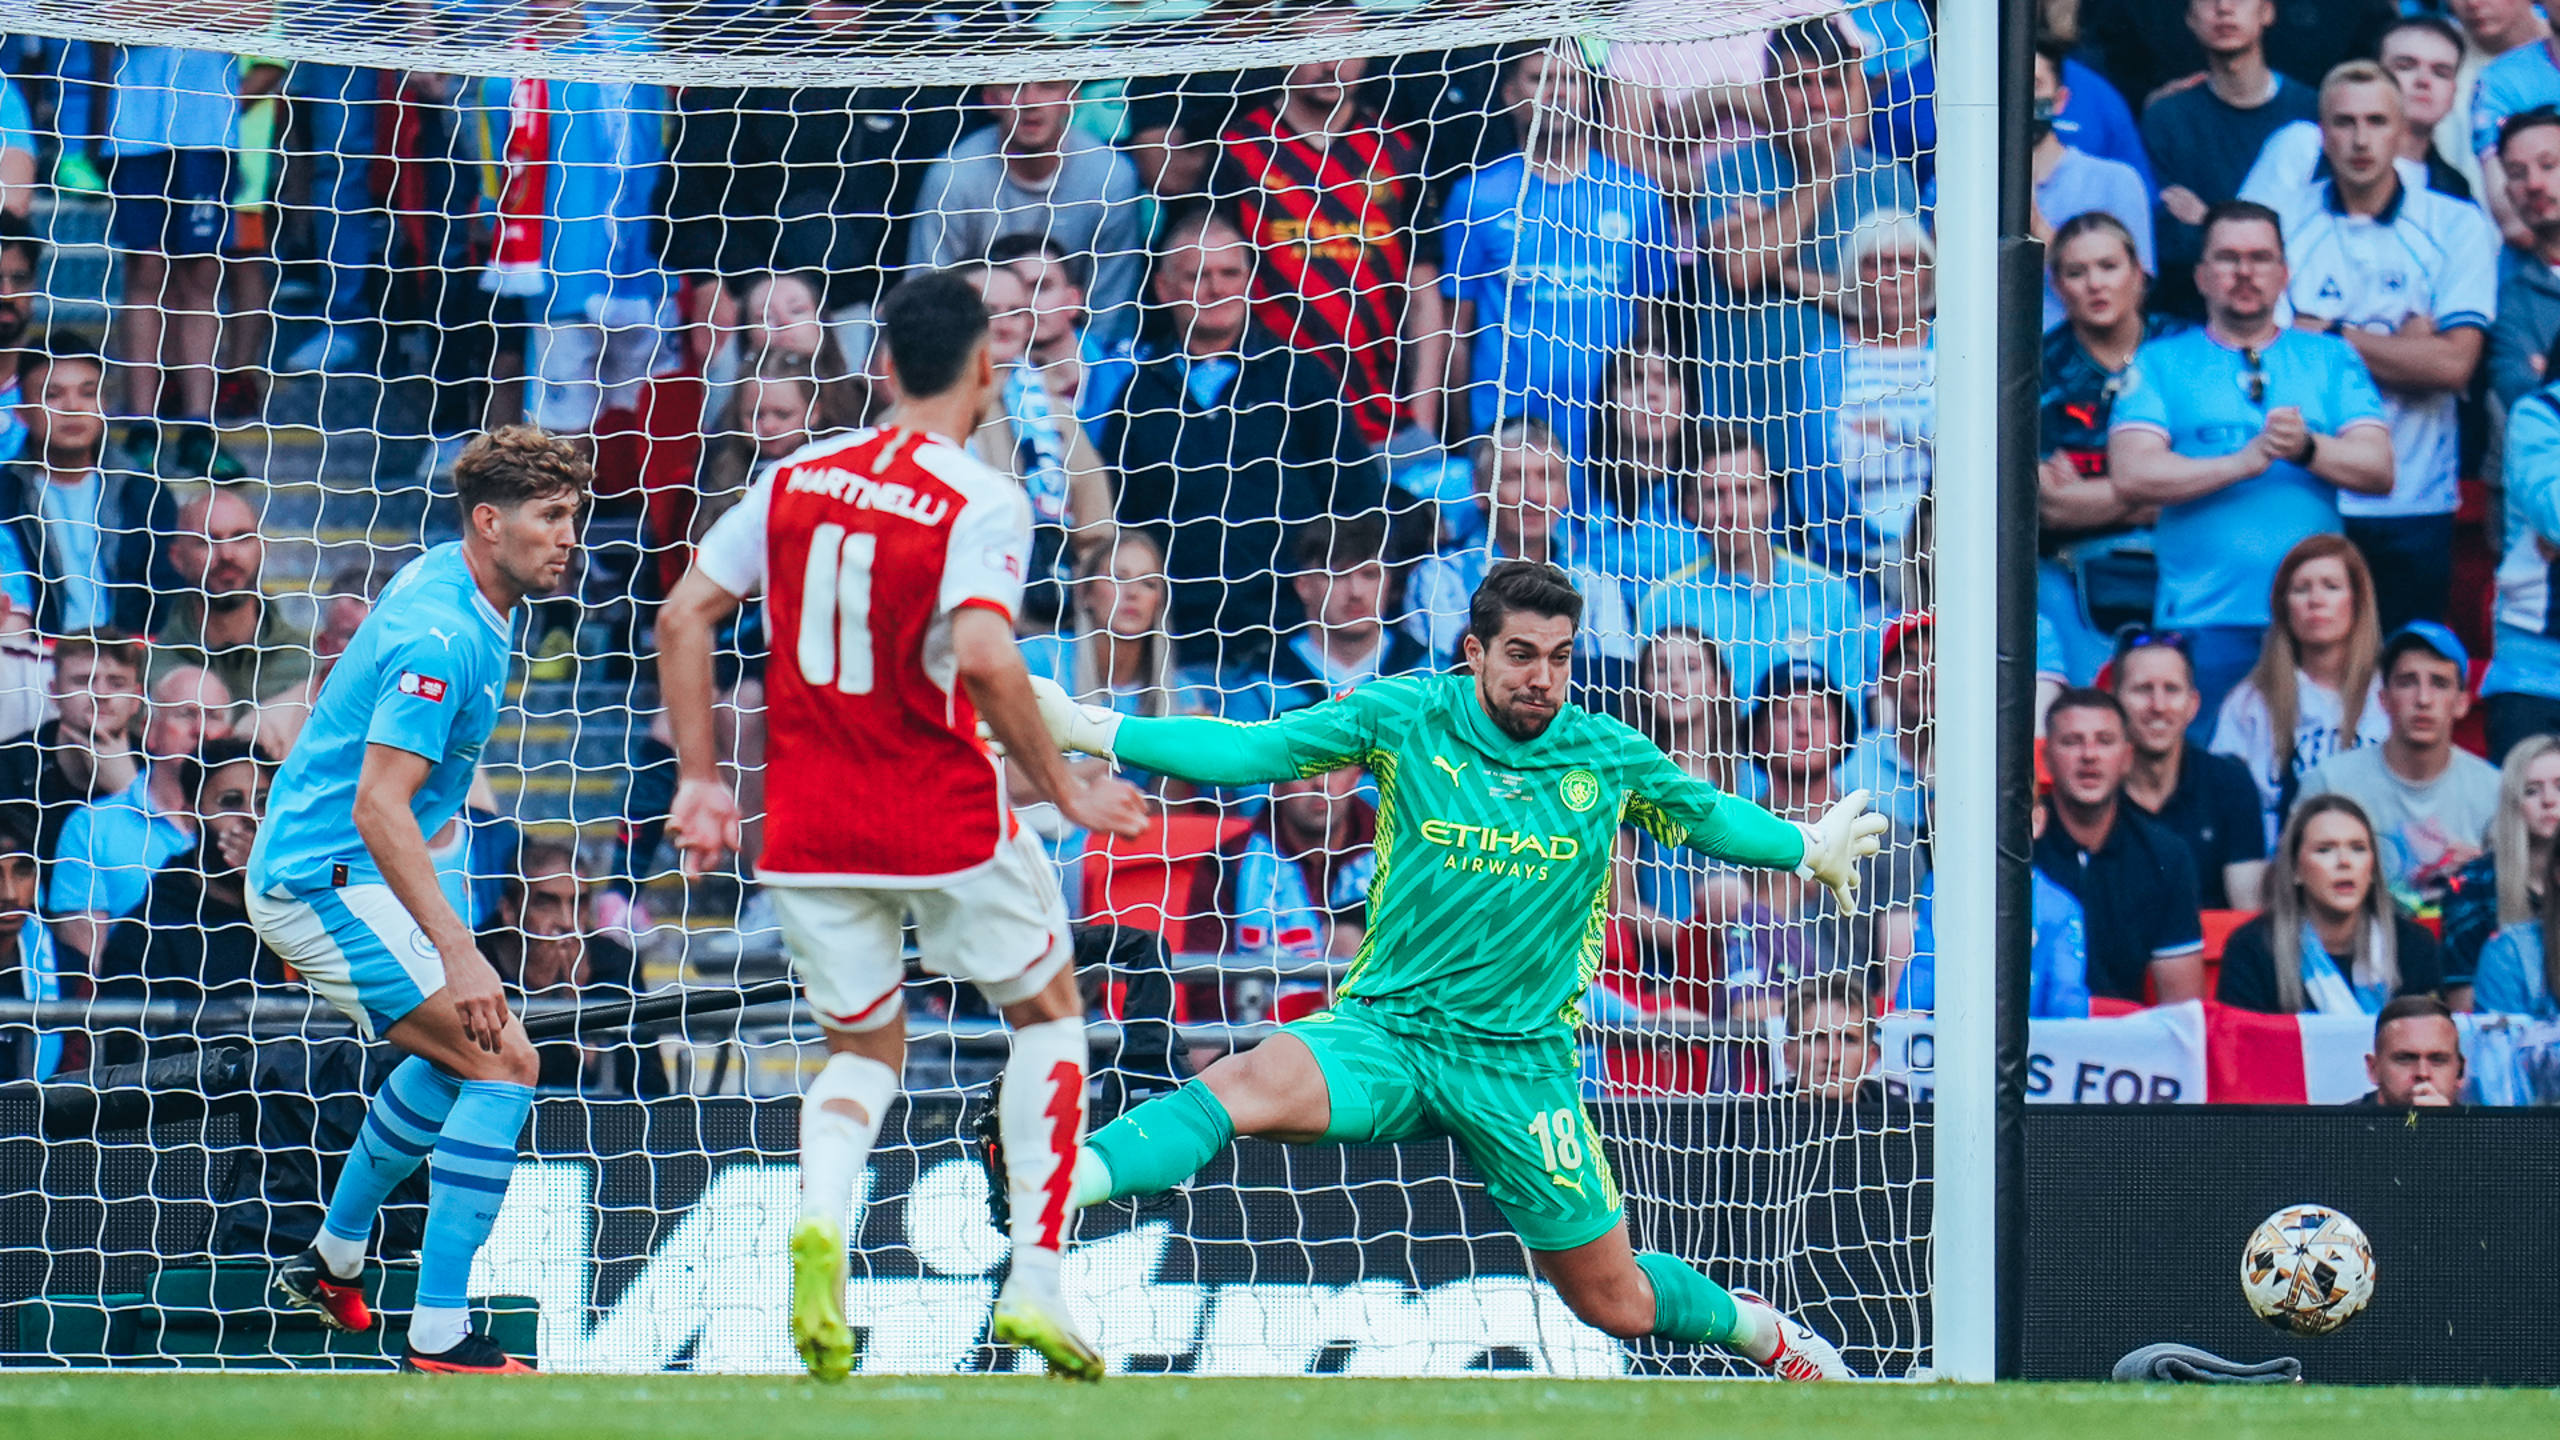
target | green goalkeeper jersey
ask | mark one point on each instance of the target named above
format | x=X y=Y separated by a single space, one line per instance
x=1493 y=854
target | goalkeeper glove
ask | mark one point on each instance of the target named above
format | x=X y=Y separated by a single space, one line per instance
x=1082 y=729
x=1834 y=844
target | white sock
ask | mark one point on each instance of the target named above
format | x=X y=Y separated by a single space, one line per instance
x=835 y=1144
x=345 y=1258
x=1092 y=1183
x=1755 y=1331
x=434 y=1330
x=1042 y=1119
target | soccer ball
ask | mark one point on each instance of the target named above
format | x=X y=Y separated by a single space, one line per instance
x=2307 y=1270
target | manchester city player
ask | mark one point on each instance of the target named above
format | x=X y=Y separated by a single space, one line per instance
x=1499 y=803
x=342 y=887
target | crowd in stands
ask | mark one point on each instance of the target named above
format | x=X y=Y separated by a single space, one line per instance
x=1288 y=360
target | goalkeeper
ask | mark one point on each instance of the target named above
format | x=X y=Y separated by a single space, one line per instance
x=1498 y=806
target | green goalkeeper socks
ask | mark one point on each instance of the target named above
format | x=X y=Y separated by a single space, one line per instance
x=1688 y=1305
x=1160 y=1144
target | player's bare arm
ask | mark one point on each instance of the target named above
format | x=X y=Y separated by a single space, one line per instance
x=704 y=820
x=990 y=665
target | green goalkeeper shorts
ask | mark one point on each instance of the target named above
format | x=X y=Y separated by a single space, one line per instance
x=1522 y=1125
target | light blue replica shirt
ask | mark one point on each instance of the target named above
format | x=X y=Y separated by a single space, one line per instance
x=426 y=673
x=2510 y=85
x=1555 y=272
x=2526 y=660
x=2218 y=554
x=1804 y=613
x=103 y=860
x=70 y=514
x=173 y=99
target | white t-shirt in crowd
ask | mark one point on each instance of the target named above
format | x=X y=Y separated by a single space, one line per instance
x=2424 y=830
x=1888 y=422
x=2246 y=732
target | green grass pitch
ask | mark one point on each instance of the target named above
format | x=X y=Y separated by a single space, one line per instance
x=217 y=1407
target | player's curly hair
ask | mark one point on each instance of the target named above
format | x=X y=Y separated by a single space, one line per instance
x=515 y=463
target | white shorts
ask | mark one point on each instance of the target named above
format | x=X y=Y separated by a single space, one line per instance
x=1003 y=930
x=579 y=371
x=356 y=946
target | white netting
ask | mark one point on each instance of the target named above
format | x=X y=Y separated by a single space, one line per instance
x=1270 y=450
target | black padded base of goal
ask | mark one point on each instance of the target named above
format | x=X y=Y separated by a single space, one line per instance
x=2138 y=1215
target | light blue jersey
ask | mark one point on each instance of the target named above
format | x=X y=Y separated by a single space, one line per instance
x=2219 y=552
x=425 y=674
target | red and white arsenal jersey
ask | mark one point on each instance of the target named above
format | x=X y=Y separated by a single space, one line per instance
x=863 y=547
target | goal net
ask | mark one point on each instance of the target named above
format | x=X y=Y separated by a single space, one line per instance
x=1306 y=314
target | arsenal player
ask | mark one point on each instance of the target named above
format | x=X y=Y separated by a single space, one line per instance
x=892 y=564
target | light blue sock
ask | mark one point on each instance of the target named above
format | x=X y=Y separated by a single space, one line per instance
x=398 y=1131
x=474 y=1156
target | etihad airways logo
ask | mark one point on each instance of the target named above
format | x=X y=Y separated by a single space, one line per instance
x=864 y=493
x=1492 y=850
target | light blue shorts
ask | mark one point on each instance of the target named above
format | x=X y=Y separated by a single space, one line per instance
x=357 y=947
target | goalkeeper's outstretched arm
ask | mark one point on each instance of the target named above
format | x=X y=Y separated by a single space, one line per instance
x=1311 y=741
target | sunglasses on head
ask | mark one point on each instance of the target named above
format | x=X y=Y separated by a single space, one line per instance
x=2143 y=637
x=2257 y=376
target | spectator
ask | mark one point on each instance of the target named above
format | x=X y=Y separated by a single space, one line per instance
x=278 y=722
x=2519 y=971
x=1686 y=701
x=2406 y=276
x=806 y=177
x=1896 y=760
x=1763 y=606
x=1523 y=485
x=2152 y=50
x=80 y=530
x=103 y=860
x=2505 y=885
x=1884 y=405
x=1114 y=652
x=1778 y=209
x=26 y=674
x=2134 y=878
x=1331 y=199
x=2317 y=688
x=2490 y=28
x=28 y=967
x=2090 y=112
x=769 y=415
x=2204 y=138
x=2070 y=183
x=1224 y=441
x=577 y=227
x=17 y=153
x=2097 y=573
x=1800 y=729
x=2057 y=957
x=1347 y=594
x=2430 y=804
x=2330 y=939
x=170 y=139
x=544 y=945
x=779 y=318
x=2208 y=801
x=2423 y=55
x=1548 y=255
x=1034 y=172
x=2528 y=284
x=1026 y=435
x=2243 y=432
x=1830 y=1046
x=19 y=257
x=338 y=114
x=1647 y=452
x=2522 y=77
x=1298 y=888
x=1082 y=377
x=190 y=939
x=2417 y=1055
x=87 y=751
x=222 y=621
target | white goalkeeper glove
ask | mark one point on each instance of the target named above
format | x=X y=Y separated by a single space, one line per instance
x=1834 y=844
x=1081 y=729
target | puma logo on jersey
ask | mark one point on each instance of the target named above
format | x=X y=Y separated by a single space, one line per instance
x=1452 y=771
x=864 y=493
x=1567 y=1181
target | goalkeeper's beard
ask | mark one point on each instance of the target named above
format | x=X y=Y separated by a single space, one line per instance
x=1512 y=717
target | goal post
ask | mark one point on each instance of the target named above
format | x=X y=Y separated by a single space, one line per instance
x=691 y=215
